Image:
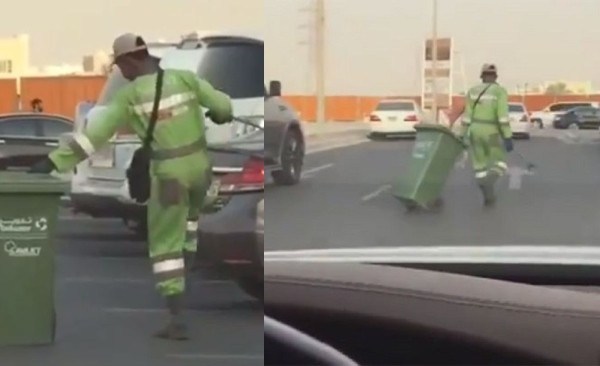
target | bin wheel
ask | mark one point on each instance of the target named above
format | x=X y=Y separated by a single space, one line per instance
x=411 y=206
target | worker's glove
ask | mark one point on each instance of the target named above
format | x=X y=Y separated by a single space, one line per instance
x=508 y=145
x=217 y=120
x=44 y=166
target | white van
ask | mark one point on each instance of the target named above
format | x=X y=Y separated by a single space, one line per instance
x=232 y=63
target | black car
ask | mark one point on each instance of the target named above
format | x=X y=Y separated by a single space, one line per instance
x=284 y=139
x=231 y=233
x=580 y=118
x=25 y=138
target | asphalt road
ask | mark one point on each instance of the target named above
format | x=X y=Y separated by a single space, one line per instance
x=108 y=308
x=345 y=199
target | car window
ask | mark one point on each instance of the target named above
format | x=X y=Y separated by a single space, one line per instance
x=396 y=106
x=22 y=127
x=54 y=128
x=237 y=69
x=182 y=59
x=515 y=108
x=566 y=106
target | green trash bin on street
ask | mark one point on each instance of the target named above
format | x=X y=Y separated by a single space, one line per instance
x=29 y=206
x=433 y=156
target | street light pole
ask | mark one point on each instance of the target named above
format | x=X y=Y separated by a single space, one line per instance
x=320 y=59
x=434 y=53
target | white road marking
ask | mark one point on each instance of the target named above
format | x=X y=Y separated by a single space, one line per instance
x=376 y=193
x=462 y=163
x=334 y=146
x=202 y=356
x=515 y=177
x=309 y=173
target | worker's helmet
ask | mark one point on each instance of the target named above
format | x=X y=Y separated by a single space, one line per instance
x=489 y=69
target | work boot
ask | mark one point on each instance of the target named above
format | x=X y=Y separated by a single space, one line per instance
x=175 y=328
x=487 y=189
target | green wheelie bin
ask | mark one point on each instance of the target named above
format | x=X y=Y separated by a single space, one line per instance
x=433 y=156
x=29 y=206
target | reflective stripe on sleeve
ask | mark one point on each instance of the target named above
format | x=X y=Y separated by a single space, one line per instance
x=479 y=175
x=168 y=265
x=504 y=120
x=502 y=165
x=82 y=146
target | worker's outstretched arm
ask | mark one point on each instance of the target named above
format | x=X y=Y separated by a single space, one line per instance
x=217 y=102
x=503 y=119
x=466 y=118
x=98 y=132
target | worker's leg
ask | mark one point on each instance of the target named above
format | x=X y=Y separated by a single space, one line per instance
x=498 y=166
x=480 y=159
x=167 y=214
x=196 y=197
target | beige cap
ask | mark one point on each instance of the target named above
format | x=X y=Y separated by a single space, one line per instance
x=488 y=68
x=128 y=43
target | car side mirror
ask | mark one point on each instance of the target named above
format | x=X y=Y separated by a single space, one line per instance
x=275 y=88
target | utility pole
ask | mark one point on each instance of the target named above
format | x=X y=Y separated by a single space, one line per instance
x=320 y=59
x=434 y=53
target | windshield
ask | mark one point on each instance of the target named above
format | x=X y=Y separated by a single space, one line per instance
x=396 y=106
x=376 y=182
x=515 y=108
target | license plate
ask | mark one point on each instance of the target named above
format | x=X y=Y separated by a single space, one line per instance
x=392 y=119
x=104 y=158
x=213 y=190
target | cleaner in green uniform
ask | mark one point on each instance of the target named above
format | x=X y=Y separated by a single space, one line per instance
x=180 y=165
x=486 y=129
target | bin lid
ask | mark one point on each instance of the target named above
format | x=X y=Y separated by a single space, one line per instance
x=22 y=182
x=438 y=128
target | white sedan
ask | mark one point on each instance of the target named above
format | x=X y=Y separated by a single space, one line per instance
x=520 y=123
x=395 y=117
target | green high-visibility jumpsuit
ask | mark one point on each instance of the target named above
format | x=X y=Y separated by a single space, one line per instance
x=484 y=128
x=180 y=168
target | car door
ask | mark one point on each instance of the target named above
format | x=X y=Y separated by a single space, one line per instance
x=586 y=117
x=20 y=143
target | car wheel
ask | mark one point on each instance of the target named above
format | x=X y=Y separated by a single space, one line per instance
x=255 y=287
x=292 y=160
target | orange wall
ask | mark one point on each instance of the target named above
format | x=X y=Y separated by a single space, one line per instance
x=60 y=94
x=355 y=108
x=8 y=95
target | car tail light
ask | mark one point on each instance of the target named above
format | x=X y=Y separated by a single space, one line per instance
x=524 y=118
x=251 y=178
x=411 y=118
x=374 y=118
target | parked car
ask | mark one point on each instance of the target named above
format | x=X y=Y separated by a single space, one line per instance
x=519 y=120
x=25 y=138
x=547 y=115
x=578 y=118
x=395 y=117
x=231 y=234
x=285 y=142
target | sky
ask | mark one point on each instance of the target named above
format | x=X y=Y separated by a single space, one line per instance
x=374 y=47
x=62 y=31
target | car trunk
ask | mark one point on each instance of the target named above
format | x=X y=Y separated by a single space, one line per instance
x=23 y=152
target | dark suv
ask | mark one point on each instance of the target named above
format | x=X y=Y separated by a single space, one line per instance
x=284 y=139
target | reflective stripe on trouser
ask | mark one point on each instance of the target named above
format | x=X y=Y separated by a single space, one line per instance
x=169 y=208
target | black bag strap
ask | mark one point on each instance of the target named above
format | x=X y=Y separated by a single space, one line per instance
x=154 y=115
x=477 y=100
